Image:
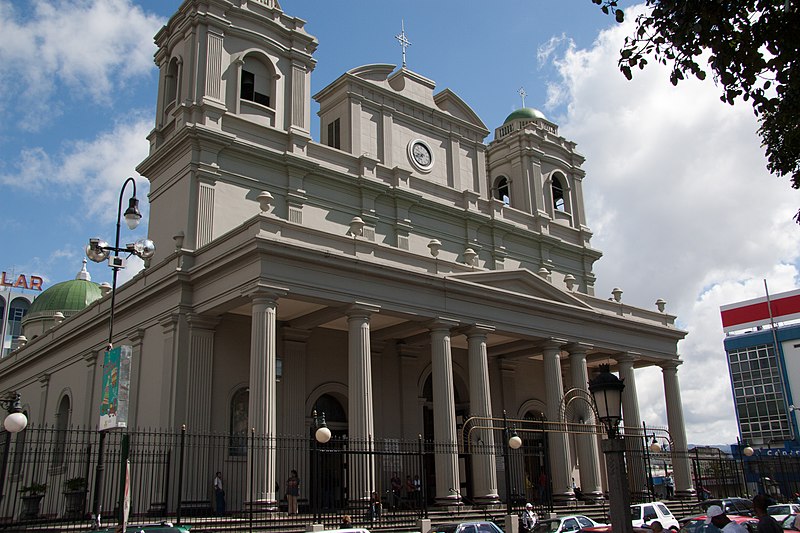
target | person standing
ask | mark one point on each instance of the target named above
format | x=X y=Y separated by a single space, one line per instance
x=219 y=494
x=766 y=523
x=292 y=492
x=670 y=484
x=397 y=486
x=528 y=519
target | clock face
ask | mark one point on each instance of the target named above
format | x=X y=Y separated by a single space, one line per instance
x=420 y=155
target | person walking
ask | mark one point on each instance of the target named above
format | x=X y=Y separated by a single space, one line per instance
x=219 y=494
x=528 y=519
x=292 y=492
x=766 y=523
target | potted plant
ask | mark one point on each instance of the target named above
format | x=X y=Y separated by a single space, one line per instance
x=75 y=497
x=31 y=498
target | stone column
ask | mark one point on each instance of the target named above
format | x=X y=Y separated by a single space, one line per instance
x=294 y=384
x=261 y=454
x=634 y=434
x=444 y=415
x=558 y=443
x=484 y=473
x=92 y=383
x=586 y=443
x=361 y=471
x=681 y=471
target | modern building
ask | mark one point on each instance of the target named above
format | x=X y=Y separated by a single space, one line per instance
x=17 y=291
x=762 y=344
x=399 y=271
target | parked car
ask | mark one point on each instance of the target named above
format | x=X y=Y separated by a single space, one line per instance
x=163 y=527
x=565 y=524
x=697 y=524
x=781 y=510
x=466 y=527
x=642 y=514
x=607 y=529
x=791 y=523
x=731 y=506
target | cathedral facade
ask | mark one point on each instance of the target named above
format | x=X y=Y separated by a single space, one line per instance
x=399 y=269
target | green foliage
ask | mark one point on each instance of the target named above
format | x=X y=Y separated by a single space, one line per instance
x=34 y=489
x=751 y=48
x=75 y=484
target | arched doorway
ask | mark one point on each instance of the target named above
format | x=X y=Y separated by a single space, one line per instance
x=536 y=463
x=328 y=463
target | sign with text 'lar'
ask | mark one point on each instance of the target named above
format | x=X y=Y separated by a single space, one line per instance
x=116 y=388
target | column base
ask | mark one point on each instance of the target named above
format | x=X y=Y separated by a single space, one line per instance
x=594 y=496
x=489 y=499
x=262 y=506
x=453 y=500
x=688 y=494
x=564 y=497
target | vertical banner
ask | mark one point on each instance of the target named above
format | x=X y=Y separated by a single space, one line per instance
x=116 y=388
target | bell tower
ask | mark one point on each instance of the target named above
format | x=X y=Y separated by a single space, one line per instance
x=231 y=72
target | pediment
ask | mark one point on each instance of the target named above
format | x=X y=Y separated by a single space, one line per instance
x=523 y=282
x=451 y=103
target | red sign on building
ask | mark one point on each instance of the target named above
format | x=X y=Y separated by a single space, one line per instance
x=751 y=313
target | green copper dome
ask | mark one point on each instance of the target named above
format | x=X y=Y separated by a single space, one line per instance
x=525 y=113
x=72 y=295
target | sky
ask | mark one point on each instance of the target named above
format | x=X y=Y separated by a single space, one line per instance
x=676 y=191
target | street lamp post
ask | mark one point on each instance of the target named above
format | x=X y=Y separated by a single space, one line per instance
x=98 y=251
x=15 y=422
x=511 y=440
x=321 y=435
x=744 y=451
x=606 y=390
x=650 y=447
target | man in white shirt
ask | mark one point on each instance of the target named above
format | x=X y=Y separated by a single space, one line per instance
x=528 y=518
x=715 y=515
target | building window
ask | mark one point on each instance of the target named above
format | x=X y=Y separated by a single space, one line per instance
x=334 y=135
x=256 y=82
x=171 y=84
x=16 y=312
x=558 y=193
x=60 y=440
x=240 y=405
x=502 y=190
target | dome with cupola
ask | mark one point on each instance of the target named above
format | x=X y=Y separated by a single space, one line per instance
x=525 y=113
x=60 y=301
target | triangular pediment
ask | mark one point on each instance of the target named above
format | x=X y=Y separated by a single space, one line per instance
x=450 y=102
x=522 y=282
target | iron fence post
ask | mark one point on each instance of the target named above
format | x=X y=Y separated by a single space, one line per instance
x=180 y=474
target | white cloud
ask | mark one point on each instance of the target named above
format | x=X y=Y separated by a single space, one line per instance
x=90 y=170
x=92 y=47
x=683 y=209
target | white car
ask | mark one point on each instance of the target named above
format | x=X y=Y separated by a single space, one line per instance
x=780 y=511
x=565 y=524
x=643 y=514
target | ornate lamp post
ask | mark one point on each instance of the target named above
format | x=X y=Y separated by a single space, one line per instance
x=514 y=442
x=98 y=251
x=606 y=390
x=744 y=451
x=15 y=422
x=321 y=435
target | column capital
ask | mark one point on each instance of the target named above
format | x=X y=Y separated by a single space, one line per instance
x=361 y=310
x=136 y=336
x=90 y=358
x=670 y=365
x=197 y=321
x=169 y=321
x=552 y=344
x=408 y=352
x=262 y=292
x=441 y=323
x=626 y=357
x=478 y=330
x=578 y=348
x=44 y=379
x=291 y=334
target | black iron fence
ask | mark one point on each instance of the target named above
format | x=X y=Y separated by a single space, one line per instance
x=51 y=477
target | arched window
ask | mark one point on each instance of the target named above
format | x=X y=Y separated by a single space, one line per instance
x=240 y=405
x=171 y=83
x=502 y=191
x=60 y=437
x=334 y=412
x=256 y=81
x=16 y=312
x=557 y=187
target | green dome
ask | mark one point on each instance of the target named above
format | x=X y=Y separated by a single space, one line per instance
x=525 y=113
x=73 y=295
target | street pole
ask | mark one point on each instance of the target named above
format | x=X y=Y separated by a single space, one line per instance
x=506 y=463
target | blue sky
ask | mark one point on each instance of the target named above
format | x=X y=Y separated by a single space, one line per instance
x=676 y=190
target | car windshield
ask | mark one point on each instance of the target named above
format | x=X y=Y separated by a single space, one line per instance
x=699 y=526
x=779 y=509
x=445 y=528
x=547 y=526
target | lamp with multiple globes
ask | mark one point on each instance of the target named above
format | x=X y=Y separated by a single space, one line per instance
x=15 y=422
x=98 y=251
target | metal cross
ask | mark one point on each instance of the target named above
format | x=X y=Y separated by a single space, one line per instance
x=523 y=94
x=404 y=42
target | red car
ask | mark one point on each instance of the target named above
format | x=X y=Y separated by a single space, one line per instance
x=697 y=524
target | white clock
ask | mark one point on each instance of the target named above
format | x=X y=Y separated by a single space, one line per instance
x=420 y=155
